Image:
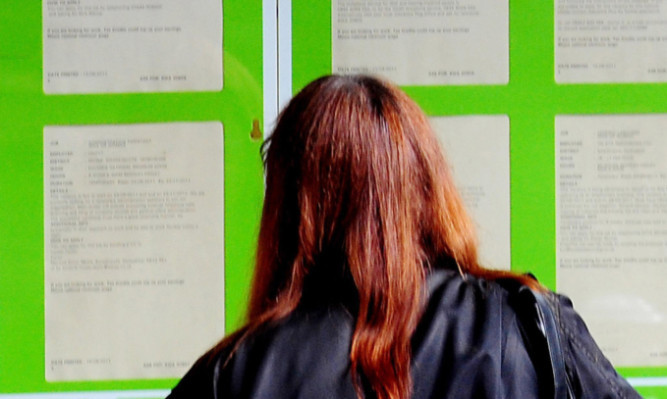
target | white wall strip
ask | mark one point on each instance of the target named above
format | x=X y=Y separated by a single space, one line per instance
x=157 y=393
x=284 y=52
x=648 y=381
x=134 y=394
x=270 y=62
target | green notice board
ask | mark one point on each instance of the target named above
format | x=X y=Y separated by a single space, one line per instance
x=531 y=98
x=235 y=103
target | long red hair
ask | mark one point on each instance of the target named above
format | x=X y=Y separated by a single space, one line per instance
x=357 y=190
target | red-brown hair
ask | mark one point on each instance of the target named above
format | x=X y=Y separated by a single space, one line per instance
x=357 y=189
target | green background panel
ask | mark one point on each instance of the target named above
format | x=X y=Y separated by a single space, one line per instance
x=25 y=110
x=532 y=99
x=653 y=392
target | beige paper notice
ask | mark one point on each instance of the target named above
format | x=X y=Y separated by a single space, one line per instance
x=602 y=41
x=121 y=46
x=134 y=252
x=611 y=230
x=477 y=149
x=416 y=42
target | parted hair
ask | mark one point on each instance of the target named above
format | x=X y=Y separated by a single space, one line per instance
x=358 y=190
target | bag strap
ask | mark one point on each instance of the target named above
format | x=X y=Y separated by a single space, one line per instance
x=542 y=333
x=550 y=329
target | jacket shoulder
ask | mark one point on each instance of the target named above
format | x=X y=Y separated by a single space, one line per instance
x=469 y=343
x=590 y=373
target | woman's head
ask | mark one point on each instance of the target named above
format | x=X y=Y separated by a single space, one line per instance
x=357 y=189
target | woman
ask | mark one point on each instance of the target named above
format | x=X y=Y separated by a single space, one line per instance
x=367 y=282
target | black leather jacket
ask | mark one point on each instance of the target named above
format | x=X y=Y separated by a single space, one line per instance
x=469 y=344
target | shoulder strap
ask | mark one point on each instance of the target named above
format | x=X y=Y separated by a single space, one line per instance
x=550 y=330
x=542 y=333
